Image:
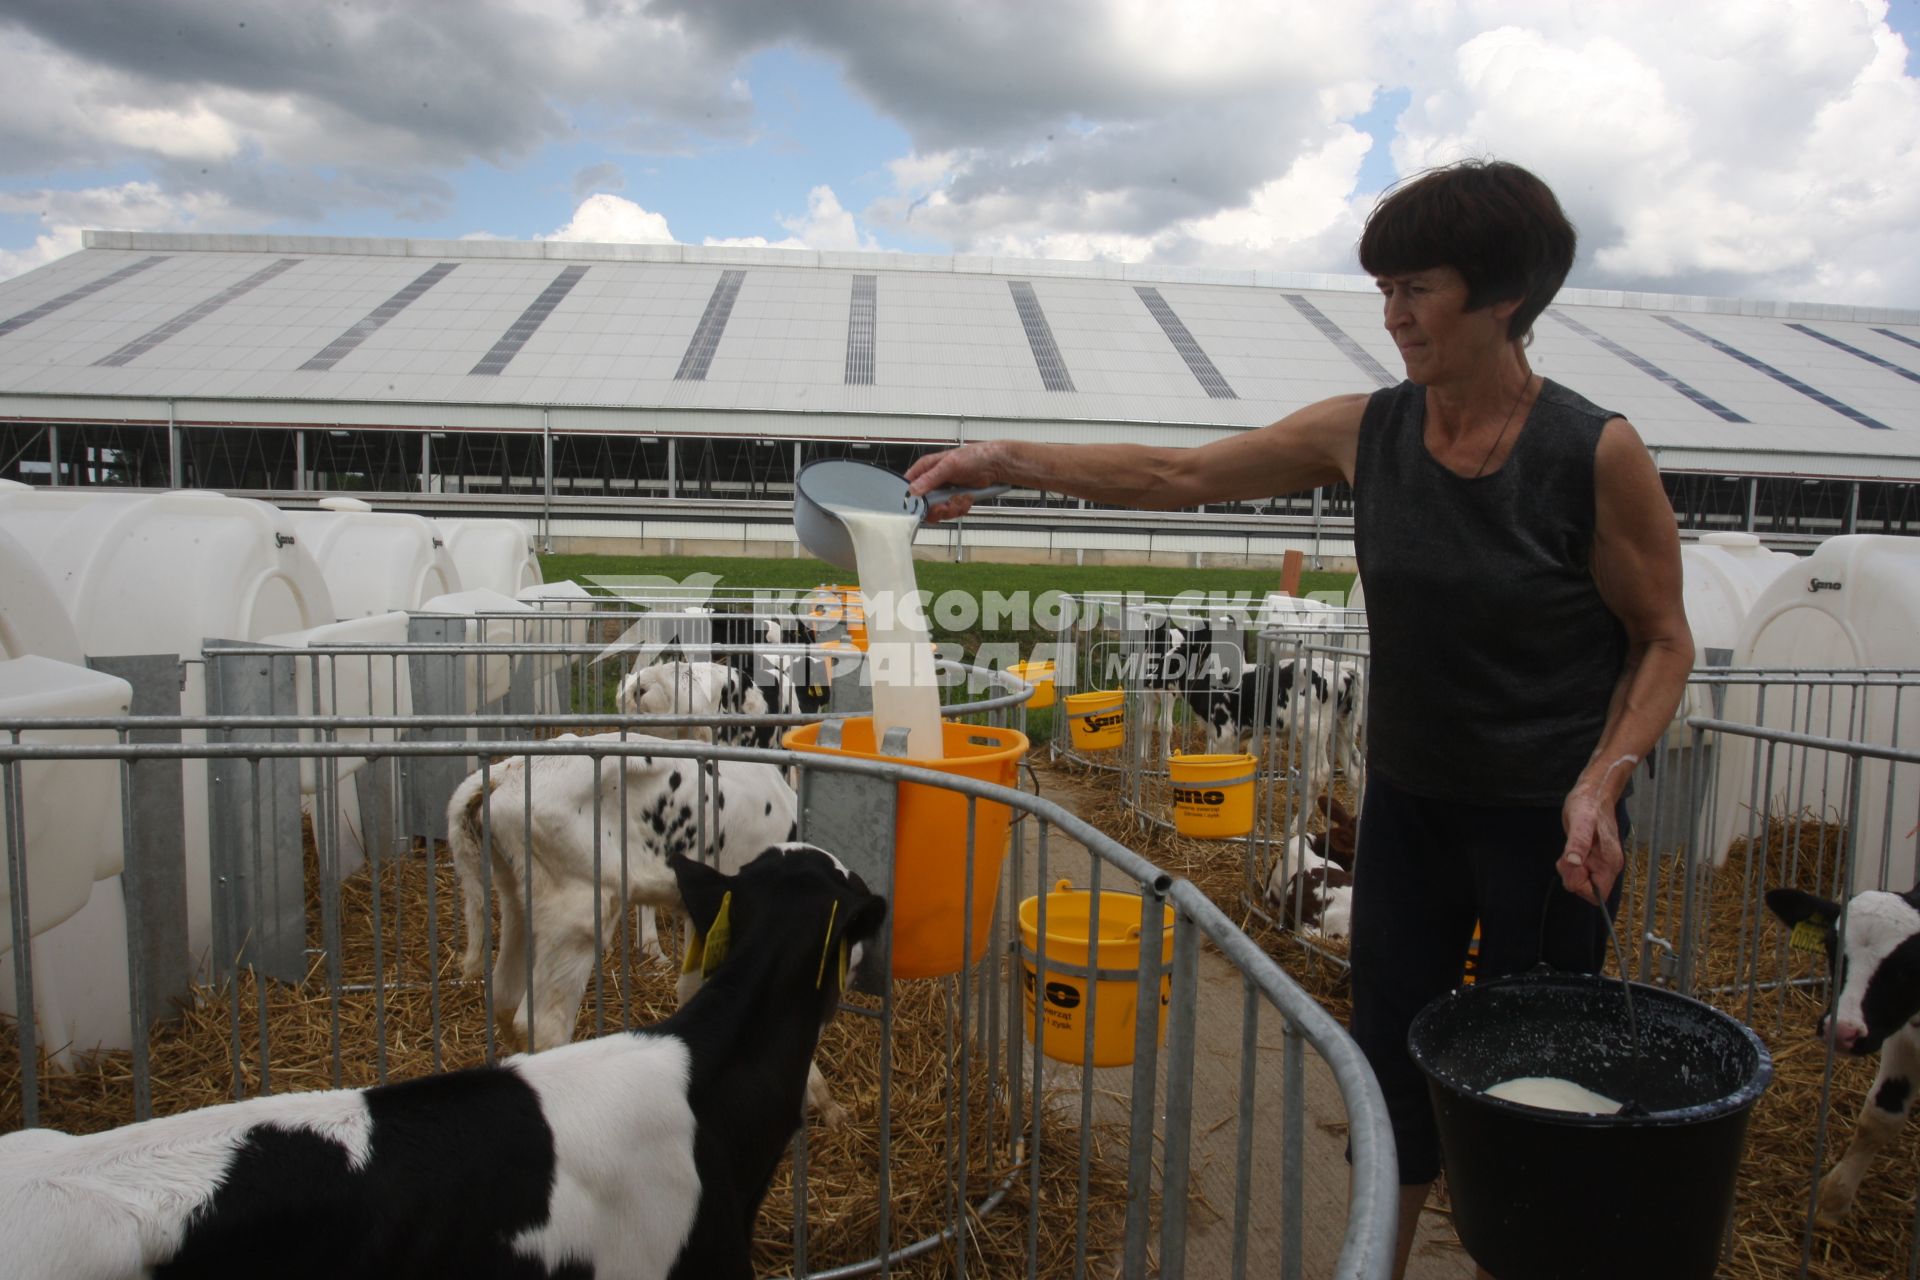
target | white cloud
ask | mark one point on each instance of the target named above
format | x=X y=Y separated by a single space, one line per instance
x=611 y=219
x=51 y=247
x=1764 y=149
x=825 y=225
x=131 y=206
x=1761 y=147
x=191 y=133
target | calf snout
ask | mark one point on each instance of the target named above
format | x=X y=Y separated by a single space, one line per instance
x=1843 y=1035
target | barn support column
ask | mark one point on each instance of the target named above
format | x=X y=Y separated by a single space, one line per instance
x=173 y=450
x=1753 y=499
x=426 y=459
x=53 y=455
x=299 y=461
x=1853 y=507
x=673 y=468
x=1319 y=513
x=546 y=484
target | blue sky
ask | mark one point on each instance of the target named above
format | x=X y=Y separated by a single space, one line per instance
x=1751 y=147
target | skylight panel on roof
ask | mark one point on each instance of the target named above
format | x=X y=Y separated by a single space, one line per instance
x=193 y=315
x=1046 y=353
x=1646 y=366
x=1778 y=375
x=1185 y=343
x=365 y=327
x=1851 y=350
x=1897 y=337
x=860 y=332
x=713 y=323
x=1343 y=340
x=495 y=361
x=72 y=296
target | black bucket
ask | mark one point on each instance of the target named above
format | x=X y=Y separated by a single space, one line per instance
x=1572 y=1194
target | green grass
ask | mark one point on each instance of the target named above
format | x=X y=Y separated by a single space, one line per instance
x=938 y=577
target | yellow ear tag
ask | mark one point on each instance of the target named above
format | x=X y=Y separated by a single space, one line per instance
x=820 y=975
x=1809 y=935
x=696 y=949
x=719 y=934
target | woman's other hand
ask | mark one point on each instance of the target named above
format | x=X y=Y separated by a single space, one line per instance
x=1593 y=859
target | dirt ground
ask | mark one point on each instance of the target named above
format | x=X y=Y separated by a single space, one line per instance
x=1437 y=1253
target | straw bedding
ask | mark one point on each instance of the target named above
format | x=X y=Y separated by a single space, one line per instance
x=1775 y=1188
x=190 y=1067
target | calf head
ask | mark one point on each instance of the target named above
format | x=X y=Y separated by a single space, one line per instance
x=1874 y=958
x=1304 y=900
x=795 y=915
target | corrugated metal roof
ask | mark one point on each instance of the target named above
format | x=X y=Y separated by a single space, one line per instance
x=348 y=335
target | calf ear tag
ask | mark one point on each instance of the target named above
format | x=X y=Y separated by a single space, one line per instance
x=719 y=934
x=1809 y=935
x=706 y=951
x=826 y=948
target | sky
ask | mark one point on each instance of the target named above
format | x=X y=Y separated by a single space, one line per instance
x=1746 y=148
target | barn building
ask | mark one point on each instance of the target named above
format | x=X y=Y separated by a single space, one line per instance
x=661 y=397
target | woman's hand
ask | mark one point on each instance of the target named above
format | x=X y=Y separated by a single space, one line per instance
x=1593 y=858
x=971 y=466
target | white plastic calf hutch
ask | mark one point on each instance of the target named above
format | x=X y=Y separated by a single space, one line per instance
x=70 y=858
x=1723 y=575
x=332 y=684
x=375 y=561
x=494 y=554
x=160 y=575
x=1851 y=607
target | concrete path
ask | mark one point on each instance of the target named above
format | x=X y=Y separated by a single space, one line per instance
x=1437 y=1254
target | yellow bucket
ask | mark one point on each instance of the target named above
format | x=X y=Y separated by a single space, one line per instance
x=1114 y=960
x=1040 y=676
x=837 y=602
x=1212 y=795
x=1098 y=719
x=930 y=841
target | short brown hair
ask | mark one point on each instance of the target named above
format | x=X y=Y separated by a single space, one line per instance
x=1495 y=223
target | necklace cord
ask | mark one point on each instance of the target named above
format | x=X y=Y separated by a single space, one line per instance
x=1511 y=410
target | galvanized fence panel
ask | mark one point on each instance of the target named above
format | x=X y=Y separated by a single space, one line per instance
x=1015 y=1122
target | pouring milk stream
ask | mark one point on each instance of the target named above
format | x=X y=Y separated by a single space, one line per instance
x=899 y=650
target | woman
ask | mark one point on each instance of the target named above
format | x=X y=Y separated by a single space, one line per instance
x=1528 y=640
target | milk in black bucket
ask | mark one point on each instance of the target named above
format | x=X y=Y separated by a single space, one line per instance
x=1644 y=1189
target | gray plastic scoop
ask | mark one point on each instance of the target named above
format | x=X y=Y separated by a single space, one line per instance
x=838 y=483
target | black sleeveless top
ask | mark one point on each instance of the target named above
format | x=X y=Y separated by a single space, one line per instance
x=1494 y=657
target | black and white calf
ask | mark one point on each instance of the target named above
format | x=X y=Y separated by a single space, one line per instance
x=717 y=689
x=649 y=809
x=643 y=1154
x=1875 y=963
x=1313 y=703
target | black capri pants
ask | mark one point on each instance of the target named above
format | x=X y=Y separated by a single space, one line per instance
x=1424 y=872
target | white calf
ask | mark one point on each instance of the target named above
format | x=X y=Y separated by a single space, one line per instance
x=645 y=1154
x=650 y=808
x=1876 y=1008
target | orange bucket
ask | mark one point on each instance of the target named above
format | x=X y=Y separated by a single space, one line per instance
x=930 y=841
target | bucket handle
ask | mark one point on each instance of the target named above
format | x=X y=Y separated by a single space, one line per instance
x=1071 y=970
x=1241 y=781
x=1626 y=985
